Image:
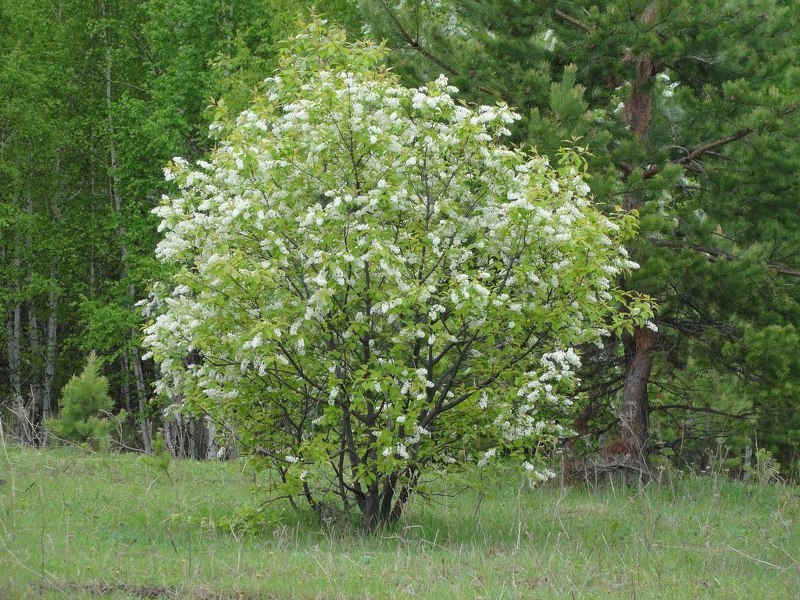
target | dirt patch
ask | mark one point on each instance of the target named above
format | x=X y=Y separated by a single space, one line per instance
x=160 y=592
x=154 y=592
x=151 y=592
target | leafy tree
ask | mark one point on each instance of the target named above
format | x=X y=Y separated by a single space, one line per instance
x=373 y=286
x=97 y=96
x=40 y=165
x=690 y=113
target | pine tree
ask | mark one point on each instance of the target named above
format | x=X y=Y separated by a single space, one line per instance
x=689 y=111
x=85 y=406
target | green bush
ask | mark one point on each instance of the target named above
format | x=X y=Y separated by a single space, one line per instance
x=85 y=409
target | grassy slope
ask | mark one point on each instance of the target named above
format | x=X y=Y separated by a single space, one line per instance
x=80 y=526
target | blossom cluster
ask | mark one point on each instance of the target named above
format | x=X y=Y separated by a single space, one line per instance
x=365 y=270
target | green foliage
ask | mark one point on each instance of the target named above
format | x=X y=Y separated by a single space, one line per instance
x=161 y=458
x=84 y=415
x=76 y=232
x=711 y=174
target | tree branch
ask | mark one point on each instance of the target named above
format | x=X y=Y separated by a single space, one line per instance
x=715 y=254
x=414 y=44
x=698 y=152
x=573 y=21
x=703 y=409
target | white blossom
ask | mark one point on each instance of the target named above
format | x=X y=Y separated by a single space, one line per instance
x=321 y=292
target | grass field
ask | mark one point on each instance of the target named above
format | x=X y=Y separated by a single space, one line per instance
x=75 y=525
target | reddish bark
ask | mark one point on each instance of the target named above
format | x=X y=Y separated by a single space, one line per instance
x=634 y=421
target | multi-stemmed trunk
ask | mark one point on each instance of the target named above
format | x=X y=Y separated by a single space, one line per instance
x=383 y=501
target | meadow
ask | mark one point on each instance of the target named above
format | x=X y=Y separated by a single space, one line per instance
x=75 y=524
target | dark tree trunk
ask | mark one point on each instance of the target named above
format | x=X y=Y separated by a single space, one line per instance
x=634 y=421
x=634 y=415
x=385 y=500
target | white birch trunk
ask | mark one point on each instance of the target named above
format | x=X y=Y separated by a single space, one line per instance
x=141 y=388
x=50 y=352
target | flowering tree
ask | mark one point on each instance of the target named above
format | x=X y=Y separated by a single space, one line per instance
x=373 y=287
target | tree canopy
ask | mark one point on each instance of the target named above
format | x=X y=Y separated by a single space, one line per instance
x=690 y=113
x=374 y=286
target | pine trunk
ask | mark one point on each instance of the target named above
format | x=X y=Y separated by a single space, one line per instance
x=634 y=421
x=634 y=414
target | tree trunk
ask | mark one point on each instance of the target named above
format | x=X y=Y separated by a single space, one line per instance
x=211 y=439
x=638 y=109
x=370 y=513
x=385 y=501
x=634 y=412
x=14 y=337
x=14 y=331
x=173 y=436
x=125 y=386
x=51 y=331
x=50 y=350
x=747 y=463
x=36 y=387
x=141 y=394
x=34 y=340
x=116 y=196
x=14 y=351
x=192 y=437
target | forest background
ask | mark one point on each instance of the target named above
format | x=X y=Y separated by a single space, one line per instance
x=687 y=114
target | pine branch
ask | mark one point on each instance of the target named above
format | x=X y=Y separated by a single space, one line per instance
x=715 y=254
x=784 y=270
x=413 y=43
x=698 y=152
x=708 y=147
x=701 y=150
x=573 y=21
x=704 y=409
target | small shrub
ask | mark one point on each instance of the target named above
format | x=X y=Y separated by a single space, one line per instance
x=84 y=410
x=766 y=469
x=160 y=459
